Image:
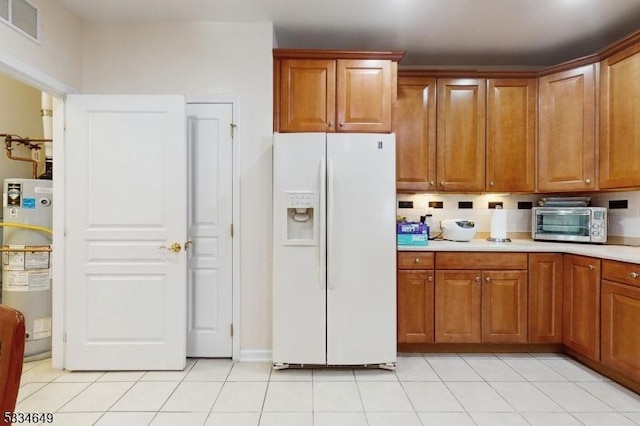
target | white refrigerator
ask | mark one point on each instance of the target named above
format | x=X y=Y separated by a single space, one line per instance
x=334 y=249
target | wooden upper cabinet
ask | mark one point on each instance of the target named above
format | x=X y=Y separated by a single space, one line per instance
x=620 y=120
x=364 y=89
x=334 y=90
x=416 y=134
x=511 y=123
x=461 y=134
x=307 y=95
x=566 y=131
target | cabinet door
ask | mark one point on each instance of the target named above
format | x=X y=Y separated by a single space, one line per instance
x=620 y=337
x=545 y=298
x=307 y=95
x=566 y=133
x=504 y=307
x=619 y=120
x=416 y=134
x=364 y=94
x=415 y=306
x=457 y=295
x=511 y=123
x=461 y=134
x=581 y=305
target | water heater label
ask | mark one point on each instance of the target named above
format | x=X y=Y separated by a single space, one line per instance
x=28 y=203
x=41 y=328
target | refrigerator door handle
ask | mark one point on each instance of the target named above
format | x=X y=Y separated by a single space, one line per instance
x=323 y=226
x=330 y=224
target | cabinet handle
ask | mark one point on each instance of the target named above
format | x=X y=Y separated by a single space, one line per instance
x=341 y=123
x=330 y=124
x=587 y=181
x=488 y=279
x=430 y=279
x=591 y=267
x=416 y=260
x=477 y=279
x=634 y=275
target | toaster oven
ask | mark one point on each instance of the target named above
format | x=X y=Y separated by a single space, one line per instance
x=571 y=224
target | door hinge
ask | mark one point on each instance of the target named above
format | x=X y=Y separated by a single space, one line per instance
x=233 y=129
x=231 y=330
x=232 y=230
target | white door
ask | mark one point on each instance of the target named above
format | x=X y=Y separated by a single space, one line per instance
x=209 y=135
x=361 y=249
x=125 y=203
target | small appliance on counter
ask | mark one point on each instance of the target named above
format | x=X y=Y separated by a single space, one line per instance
x=458 y=229
x=570 y=224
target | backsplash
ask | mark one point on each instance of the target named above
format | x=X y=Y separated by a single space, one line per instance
x=623 y=222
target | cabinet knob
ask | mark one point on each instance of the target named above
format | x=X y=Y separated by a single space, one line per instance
x=442 y=182
x=430 y=279
x=488 y=279
x=477 y=279
x=587 y=181
x=492 y=183
x=432 y=183
x=330 y=124
x=591 y=267
x=634 y=275
x=341 y=123
x=416 y=260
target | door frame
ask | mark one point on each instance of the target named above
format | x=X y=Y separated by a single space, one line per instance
x=27 y=74
x=235 y=177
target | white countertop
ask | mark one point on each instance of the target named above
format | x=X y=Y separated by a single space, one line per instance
x=603 y=251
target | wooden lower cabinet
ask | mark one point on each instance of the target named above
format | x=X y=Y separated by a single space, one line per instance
x=415 y=297
x=476 y=305
x=457 y=307
x=581 y=305
x=620 y=340
x=415 y=306
x=545 y=298
x=504 y=307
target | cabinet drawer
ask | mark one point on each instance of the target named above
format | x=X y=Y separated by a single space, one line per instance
x=415 y=260
x=474 y=260
x=627 y=273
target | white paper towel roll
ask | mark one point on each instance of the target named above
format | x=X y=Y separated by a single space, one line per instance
x=499 y=224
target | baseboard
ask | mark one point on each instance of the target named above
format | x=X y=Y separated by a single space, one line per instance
x=256 y=355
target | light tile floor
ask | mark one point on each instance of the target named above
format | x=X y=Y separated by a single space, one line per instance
x=433 y=390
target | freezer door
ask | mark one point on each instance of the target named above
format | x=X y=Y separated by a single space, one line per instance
x=299 y=254
x=361 y=249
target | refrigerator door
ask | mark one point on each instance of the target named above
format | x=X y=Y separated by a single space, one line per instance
x=299 y=253
x=361 y=249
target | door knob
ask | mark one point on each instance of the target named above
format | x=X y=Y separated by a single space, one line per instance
x=175 y=247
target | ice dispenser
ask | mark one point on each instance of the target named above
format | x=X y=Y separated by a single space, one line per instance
x=301 y=218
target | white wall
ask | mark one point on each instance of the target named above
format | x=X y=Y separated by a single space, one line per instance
x=57 y=56
x=198 y=59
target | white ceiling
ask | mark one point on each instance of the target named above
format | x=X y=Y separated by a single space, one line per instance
x=433 y=32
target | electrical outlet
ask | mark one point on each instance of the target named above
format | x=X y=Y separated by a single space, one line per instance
x=35 y=154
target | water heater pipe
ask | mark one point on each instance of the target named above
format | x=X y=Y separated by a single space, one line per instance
x=29 y=143
x=23 y=226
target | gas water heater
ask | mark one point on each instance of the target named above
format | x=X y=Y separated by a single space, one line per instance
x=26 y=257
